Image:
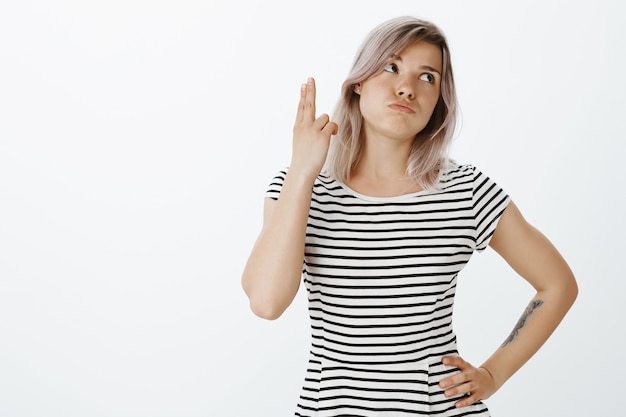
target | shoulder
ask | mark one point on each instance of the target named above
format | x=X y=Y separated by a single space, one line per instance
x=454 y=174
x=453 y=167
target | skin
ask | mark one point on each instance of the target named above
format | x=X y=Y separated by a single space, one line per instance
x=413 y=78
x=272 y=274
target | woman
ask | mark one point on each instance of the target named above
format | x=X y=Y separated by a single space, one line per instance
x=384 y=222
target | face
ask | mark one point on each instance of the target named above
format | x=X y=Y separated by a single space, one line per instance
x=398 y=102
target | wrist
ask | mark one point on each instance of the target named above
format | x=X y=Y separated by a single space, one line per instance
x=496 y=382
x=301 y=177
x=488 y=371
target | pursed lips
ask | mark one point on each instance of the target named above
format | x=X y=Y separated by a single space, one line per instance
x=402 y=107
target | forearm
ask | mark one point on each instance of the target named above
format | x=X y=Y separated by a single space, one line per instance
x=534 y=258
x=539 y=320
x=272 y=274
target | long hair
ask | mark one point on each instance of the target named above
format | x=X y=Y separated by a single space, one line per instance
x=429 y=150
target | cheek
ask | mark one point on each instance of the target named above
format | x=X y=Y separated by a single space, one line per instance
x=366 y=107
x=431 y=100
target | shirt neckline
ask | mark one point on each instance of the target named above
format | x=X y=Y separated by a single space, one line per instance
x=376 y=199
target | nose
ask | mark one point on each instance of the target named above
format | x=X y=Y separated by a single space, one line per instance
x=405 y=89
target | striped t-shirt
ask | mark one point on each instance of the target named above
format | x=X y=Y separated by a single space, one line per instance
x=381 y=274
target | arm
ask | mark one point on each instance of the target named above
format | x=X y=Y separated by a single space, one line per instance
x=272 y=274
x=533 y=257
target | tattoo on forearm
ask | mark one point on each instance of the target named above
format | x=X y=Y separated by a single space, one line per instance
x=534 y=304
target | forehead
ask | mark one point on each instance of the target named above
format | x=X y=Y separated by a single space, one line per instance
x=421 y=53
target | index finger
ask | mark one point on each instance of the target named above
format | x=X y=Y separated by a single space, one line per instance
x=308 y=111
x=456 y=361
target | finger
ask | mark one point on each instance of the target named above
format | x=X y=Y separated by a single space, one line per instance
x=469 y=400
x=457 y=378
x=453 y=380
x=451 y=360
x=467 y=396
x=321 y=121
x=456 y=361
x=459 y=389
x=300 y=113
x=325 y=125
x=330 y=129
x=309 y=101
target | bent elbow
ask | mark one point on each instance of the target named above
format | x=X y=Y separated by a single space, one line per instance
x=573 y=290
x=568 y=291
x=265 y=311
x=261 y=306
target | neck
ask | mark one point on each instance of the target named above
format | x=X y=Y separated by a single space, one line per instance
x=383 y=160
x=381 y=170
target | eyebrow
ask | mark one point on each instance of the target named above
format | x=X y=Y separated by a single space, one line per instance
x=426 y=67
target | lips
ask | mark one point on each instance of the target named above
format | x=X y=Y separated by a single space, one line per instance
x=402 y=107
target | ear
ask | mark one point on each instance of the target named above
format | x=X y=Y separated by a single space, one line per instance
x=357 y=88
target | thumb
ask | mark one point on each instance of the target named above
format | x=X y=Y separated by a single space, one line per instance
x=331 y=128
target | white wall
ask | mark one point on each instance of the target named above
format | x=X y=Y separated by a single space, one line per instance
x=136 y=142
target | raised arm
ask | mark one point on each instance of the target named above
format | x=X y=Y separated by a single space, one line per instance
x=533 y=257
x=272 y=274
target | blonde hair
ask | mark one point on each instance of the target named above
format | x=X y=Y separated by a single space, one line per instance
x=429 y=150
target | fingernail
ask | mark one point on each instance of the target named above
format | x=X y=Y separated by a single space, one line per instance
x=309 y=80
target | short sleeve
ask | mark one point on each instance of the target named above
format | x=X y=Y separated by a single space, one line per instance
x=489 y=202
x=273 y=190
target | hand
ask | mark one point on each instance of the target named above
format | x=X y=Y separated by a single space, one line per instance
x=311 y=136
x=477 y=382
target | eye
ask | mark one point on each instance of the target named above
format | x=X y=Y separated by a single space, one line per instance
x=391 y=67
x=428 y=77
